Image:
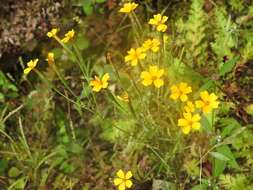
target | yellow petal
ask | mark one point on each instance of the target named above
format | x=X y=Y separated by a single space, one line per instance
x=195 y=118
x=117 y=181
x=164 y=19
x=120 y=174
x=153 y=70
x=160 y=73
x=196 y=126
x=161 y=28
x=183 y=98
x=145 y=75
x=182 y=122
x=152 y=21
x=204 y=95
x=158 y=83
x=134 y=62
x=199 y=103
x=128 y=175
x=186 y=129
x=129 y=183
x=106 y=77
x=122 y=186
x=97 y=88
x=27 y=70
x=174 y=96
x=147 y=82
x=188 y=116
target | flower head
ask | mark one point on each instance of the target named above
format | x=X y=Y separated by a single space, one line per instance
x=52 y=33
x=97 y=84
x=68 y=36
x=207 y=101
x=189 y=122
x=153 y=75
x=152 y=44
x=128 y=7
x=134 y=55
x=30 y=66
x=123 y=180
x=180 y=91
x=50 y=58
x=158 y=21
x=189 y=107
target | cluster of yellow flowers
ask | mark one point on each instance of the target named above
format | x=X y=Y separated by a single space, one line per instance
x=191 y=117
x=135 y=55
x=67 y=37
x=50 y=56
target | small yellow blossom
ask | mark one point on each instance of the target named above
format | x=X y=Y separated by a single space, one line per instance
x=52 y=33
x=189 y=122
x=128 y=7
x=123 y=180
x=97 y=84
x=152 y=44
x=68 y=36
x=189 y=107
x=124 y=97
x=180 y=91
x=207 y=101
x=134 y=55
x=153 y=75
x=158 y=21
x=50 y=58
x=30 y=66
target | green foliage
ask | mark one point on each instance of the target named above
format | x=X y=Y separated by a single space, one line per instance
x=237 y=182
x=195 y=34
x=7 y=88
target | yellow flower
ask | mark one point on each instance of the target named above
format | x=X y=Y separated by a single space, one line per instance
x=153 y=75
x=158 y=21
x=180 y=91
x=152 y=44
x=134 y=55
x=189 y=122
x=52 y=33
x=97 y=84
x=123 y=180
x=50 y=58
x=128 y=7
x=124 y=97
x=30 y=66
x=207 y=102
x=68 y=36
x=189 y=107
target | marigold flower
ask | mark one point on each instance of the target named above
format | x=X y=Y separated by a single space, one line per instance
x=52 y=33
x=128 y=7
x=189 y=107
x=207 y=102
x=158 y=21
x=153 y=75
x=134 y=55
x=68 y=36
x=189 y=122
x=50 y=58
x=180 y=91
x=97 y=84
x=30 y=66
x=152 y=44
x=123 y=180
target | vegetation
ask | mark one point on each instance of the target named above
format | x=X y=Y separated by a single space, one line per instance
x=163 y=101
